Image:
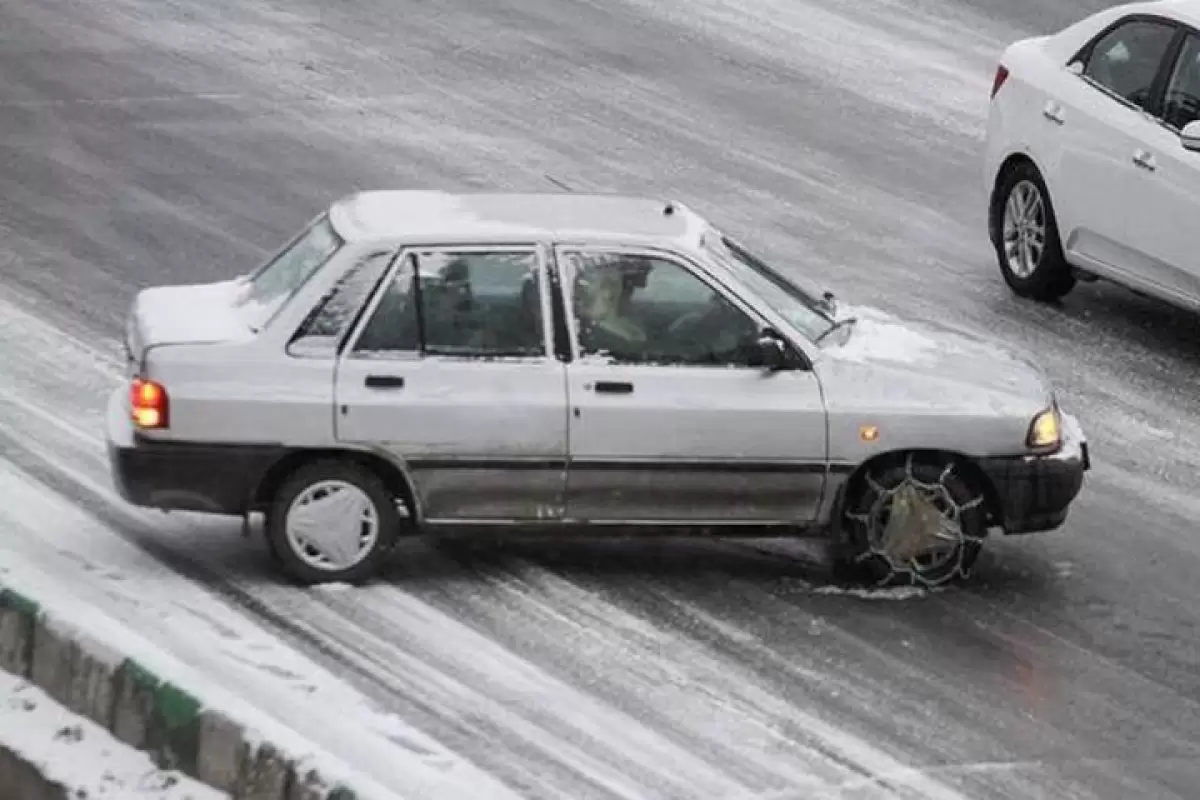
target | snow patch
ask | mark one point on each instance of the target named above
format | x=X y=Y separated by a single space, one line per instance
x=878 y=335
x=191 y=313
x=84 y=757
x=891 y=593
x=872 y=340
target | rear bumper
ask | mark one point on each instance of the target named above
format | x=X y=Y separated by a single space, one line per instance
x=1035 y=493
x=182 y=476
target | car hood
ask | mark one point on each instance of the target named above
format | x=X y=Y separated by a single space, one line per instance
x=884 y=361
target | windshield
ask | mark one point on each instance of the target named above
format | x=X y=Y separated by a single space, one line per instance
x=784 y=297
x=274 y=283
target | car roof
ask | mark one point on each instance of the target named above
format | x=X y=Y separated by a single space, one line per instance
x=430 y=216
x=1187 y=11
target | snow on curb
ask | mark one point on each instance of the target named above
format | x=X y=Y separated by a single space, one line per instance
x=150 y=713
x=47 y=751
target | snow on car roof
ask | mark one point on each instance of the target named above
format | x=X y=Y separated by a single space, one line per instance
x=438 y=217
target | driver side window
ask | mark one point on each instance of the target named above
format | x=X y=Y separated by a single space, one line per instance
x=636 y=309
x=1126 y=59
x=1181 y=104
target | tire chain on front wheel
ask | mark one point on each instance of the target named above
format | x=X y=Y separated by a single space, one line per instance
x=869 y=520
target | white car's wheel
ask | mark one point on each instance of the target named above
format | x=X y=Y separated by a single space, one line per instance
x=1025 y=233
x=913 y=523
x=332 y=521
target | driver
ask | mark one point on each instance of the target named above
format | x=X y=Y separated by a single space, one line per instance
x=602 y=293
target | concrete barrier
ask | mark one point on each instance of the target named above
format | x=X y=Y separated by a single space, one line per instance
x=48 y=752
x=147 y=712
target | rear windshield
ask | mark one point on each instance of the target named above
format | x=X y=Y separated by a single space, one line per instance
x=276 y=281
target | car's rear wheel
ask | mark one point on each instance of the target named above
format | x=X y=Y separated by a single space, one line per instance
x=912 y=522
x=332 y=521
x=1026 y=236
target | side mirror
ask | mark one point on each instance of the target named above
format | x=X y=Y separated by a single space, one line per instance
x=1075 y=68
x=770 y=352
x=1189 y=137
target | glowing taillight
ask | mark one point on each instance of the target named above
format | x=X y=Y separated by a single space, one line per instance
x=148 y=403
x=1001 y=77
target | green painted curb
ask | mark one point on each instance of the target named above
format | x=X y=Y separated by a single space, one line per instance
x=23 y=612
x=173 y=724
x=15 y=601
x=148 y=713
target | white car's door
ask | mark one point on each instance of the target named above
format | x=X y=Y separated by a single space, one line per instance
x=1163 y=199
x=668 y=422
x=1102 y=121
x=451 y=370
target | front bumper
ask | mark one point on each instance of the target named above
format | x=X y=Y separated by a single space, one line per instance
x=182 y=476
x=1034 y=493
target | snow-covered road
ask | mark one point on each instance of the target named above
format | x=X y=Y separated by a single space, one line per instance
x=177 y=140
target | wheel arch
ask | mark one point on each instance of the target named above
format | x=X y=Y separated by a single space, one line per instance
x=393 y=476
x=966 y=466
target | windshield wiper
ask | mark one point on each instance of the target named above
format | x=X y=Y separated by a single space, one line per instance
x=841 y=323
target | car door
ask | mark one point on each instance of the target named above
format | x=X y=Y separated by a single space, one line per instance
x=450 y=371
x=1102 y=119
x=1163 y=197
x=668 y=421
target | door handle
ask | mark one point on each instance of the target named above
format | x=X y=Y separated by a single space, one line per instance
x=384 y=382
x=1053 y=111
x=1145 y=160
x=614 y=387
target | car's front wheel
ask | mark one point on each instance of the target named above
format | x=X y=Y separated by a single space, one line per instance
x=332 y=521
x=1026 y=236
x=912 y=522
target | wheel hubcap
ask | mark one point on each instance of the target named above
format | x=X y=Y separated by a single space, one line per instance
x=332 y=525
x=1024 y=229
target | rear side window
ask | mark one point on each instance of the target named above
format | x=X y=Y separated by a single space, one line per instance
x=472 y=304
x=1127 y=59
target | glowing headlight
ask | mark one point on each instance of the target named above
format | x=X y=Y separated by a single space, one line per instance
x=1046 y=430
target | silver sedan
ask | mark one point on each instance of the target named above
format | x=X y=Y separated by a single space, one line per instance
x=423 y=361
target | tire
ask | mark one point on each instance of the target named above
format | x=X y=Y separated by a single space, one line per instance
x=867 y=508
x=1046 y=276
x=341 y=562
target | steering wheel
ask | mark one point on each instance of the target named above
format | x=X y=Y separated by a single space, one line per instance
x=1140 y=97
x=1183 y=108
x=692 y=319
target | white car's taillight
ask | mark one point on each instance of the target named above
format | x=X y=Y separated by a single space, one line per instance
x=999 y=79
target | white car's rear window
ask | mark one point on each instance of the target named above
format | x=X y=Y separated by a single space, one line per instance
x=274 y=283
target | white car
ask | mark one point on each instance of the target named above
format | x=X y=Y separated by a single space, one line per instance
x=1093 y=155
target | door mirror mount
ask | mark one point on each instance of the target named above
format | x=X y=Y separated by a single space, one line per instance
x=1189 y=137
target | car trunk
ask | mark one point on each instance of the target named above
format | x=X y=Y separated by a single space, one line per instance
x=190 y=314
